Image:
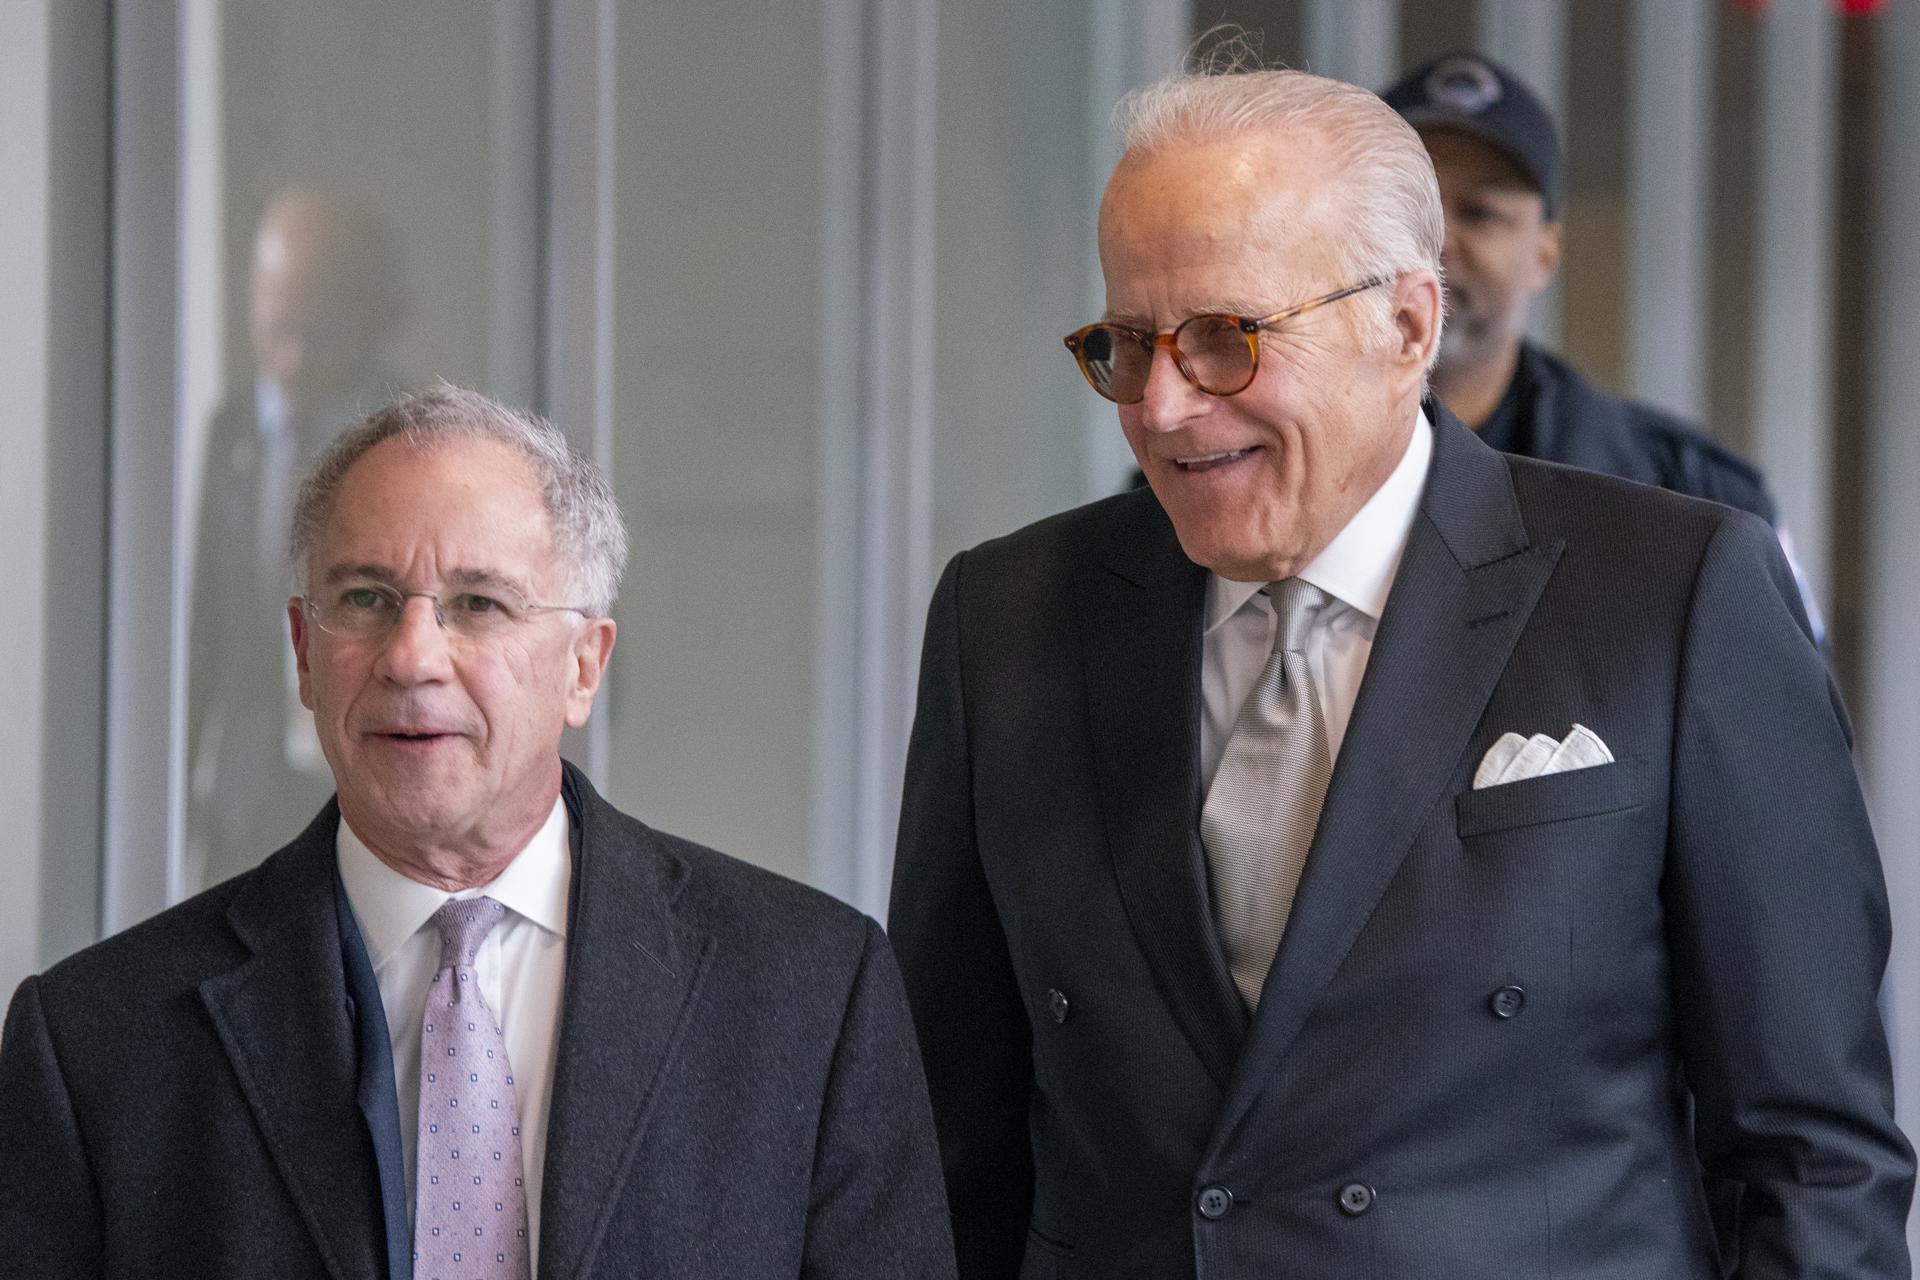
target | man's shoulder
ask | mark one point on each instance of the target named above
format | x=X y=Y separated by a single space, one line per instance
x=1040 y=563
x=1069 y=538
x=1677 y=454
x=728 y=896
x=1624 y=537
x=197 y=938
x=165 y=954
x=1695 y=463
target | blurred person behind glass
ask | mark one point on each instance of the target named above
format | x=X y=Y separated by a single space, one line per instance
x=324 y=301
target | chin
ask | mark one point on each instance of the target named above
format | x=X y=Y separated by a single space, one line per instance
x=1233 y=562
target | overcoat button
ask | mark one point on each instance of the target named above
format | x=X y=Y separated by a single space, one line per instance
x=1057 y=1004
x=1355 y=1199
x=1214 y=1203
x=1507 y=1001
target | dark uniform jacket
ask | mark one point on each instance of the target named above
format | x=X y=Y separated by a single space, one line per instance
x=1551 y=412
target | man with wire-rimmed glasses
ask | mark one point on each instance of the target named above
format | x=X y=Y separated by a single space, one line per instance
x=1368 y=854
x=474 y=1022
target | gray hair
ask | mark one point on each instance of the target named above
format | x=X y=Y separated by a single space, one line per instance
x=1394 y=222
x=589 y=537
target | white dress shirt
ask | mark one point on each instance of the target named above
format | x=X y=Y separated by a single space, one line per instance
x=521 y=968
x=1356 y=569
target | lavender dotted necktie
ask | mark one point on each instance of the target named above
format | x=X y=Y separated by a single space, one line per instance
x=470 y=1199
x=1264 y=806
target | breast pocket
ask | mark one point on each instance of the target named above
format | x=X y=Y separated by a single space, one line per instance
x=1555 y=797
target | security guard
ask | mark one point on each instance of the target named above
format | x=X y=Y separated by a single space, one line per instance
x=1498 y=161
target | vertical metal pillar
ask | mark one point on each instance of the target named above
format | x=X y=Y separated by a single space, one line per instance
x=1670 y=185
x=582 y=125
x=1354 y=40
x=146 y=615
x=1793 y=274
x=1890 y=615
x=876 y=502
x=1530 y=36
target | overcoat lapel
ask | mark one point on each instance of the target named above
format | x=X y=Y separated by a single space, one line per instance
x=1466 y=585
x=283 y=1018
x=1140 y=617
x=633 y=967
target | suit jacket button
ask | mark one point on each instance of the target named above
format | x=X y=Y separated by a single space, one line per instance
x=1214 y=1202
x=1355 y=1199
x=1507 y=1001
x=1057 y=1004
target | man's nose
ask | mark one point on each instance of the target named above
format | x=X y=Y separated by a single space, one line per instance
x=1169 y=399
x=419 y=649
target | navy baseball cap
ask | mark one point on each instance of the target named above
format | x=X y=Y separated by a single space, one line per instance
x=1477 y=95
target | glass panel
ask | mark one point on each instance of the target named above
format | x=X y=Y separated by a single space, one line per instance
x=1023 y=157
x=718 y=283
x=360 y=195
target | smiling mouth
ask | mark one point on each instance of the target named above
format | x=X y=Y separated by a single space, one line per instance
x=1211 y=461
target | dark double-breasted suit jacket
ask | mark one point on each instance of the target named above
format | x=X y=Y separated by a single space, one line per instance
x=737 y=1091
x=1565 y=1027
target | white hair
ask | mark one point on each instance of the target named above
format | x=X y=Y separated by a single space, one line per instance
x=1392 y=222
x=589 y=537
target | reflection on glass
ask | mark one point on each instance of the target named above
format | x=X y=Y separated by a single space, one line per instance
x=323 y=305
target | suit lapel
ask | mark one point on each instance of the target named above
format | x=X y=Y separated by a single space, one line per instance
x=283 y=1018
x=1140 y=617
x=1466 y=585
x=632 y=968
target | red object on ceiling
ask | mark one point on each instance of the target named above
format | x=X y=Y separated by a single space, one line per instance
x=1848 y=8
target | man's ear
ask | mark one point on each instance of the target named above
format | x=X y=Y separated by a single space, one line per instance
x=297 y=628
x=1546 y=255
x=587 y=664
x=1416 y=319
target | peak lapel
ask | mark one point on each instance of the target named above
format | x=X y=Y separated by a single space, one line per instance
x=1140 y=616
x=1466 y=585
x=283 y=1018
x=632 y=967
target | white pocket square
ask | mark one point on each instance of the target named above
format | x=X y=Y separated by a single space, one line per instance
x=1513 y=757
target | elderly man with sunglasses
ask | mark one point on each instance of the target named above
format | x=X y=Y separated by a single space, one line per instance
x=474 y=1022
x=1367 y=854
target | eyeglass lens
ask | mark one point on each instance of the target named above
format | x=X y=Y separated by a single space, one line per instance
x=1215 y=351
x=364 y=611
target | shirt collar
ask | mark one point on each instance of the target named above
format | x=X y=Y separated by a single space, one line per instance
x=391 y=907
x=1358 y=566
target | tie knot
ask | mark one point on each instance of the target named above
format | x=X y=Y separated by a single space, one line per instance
x=1296 y=602
x=464 y=924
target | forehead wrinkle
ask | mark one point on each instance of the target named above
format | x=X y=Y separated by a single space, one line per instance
x=361 y=569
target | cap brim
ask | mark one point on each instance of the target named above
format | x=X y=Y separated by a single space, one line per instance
x=1457 y=122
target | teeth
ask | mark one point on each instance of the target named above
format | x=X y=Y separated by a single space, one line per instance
x=1209 y=457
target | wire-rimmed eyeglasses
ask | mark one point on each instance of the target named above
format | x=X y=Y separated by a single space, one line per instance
x=363 y=610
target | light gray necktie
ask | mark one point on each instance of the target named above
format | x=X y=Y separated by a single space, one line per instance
x=1261 y=812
